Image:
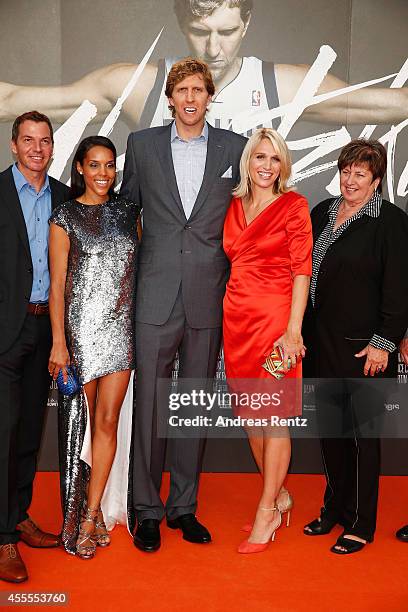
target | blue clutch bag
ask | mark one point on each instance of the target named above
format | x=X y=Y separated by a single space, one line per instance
x=73 y=384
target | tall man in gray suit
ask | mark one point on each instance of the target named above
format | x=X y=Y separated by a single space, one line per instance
x=182 y=175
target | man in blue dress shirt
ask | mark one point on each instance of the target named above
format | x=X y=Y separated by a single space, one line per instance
x=27 y=196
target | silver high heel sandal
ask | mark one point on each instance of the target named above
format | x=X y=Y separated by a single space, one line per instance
x=85 y=544
x=101 y=535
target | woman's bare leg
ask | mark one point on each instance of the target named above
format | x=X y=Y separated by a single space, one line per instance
x=276 y=457
x=256 y=442
x=105 y=397
x=111 y=393
x=91 y=390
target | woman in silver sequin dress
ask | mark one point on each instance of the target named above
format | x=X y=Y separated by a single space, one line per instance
x=93 y=246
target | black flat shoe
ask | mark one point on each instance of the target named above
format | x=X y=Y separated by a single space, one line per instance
x=318 y=527
x=147 y=535
x=192 y=530
x=402 y=534
x=350 y=546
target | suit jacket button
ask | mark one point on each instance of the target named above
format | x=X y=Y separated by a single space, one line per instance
x=186 y=227
x=181 y=251
x=30 y=270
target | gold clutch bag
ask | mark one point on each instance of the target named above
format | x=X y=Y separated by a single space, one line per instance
x=274 y=363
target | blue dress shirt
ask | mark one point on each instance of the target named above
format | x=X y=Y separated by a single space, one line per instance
x=36 y=209
x=189 y=158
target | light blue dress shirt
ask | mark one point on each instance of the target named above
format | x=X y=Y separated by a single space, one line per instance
x=36 y=209
x=189 y=158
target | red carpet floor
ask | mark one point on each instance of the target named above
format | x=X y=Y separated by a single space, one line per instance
x=297 y=573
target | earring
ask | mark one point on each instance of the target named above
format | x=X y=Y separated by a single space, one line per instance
x=81 y=173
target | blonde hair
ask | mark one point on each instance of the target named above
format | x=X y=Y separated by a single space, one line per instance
x=280 y=186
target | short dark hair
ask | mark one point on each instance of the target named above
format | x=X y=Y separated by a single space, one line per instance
x=185 y=68
x=186 y=9
x=30 y=116
x=370 y=152
x=77 y=180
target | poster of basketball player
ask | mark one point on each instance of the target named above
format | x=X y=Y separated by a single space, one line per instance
x=321 y=73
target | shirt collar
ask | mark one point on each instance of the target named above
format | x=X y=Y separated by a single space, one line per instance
x=372 y=208
x=20 y=180
x=174 y=134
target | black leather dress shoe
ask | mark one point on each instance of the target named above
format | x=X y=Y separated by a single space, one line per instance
x=192 y=530
x=402 y=534
x=147 y=535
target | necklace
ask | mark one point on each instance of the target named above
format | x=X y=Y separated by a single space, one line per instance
x=250 y=208
x=251 y=204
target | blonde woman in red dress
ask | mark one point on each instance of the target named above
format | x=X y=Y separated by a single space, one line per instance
x=268 y=240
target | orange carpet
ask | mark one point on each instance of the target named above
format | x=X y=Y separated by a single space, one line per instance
x=297 y=573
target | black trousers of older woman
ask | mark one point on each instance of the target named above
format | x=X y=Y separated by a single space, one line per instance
x=350 y=409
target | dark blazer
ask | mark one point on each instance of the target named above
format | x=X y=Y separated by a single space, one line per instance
x=16 y=268
x=173 y=250
x=363 y=281
x=362 y=286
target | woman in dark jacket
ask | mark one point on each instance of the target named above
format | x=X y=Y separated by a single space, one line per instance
x=358 y=313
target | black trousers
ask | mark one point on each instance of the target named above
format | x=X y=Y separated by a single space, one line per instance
x=352 y=467
x=24 y=385
x=350 y=408
x=351 y=460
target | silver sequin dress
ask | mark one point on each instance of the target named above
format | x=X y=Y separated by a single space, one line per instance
x=99 y=324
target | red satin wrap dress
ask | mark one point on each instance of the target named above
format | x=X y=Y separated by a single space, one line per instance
x=265 y=257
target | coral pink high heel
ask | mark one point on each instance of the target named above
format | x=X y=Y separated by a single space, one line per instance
x=246 y=547
x=284 y=503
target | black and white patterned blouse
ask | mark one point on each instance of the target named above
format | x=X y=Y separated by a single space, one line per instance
x=326 y=239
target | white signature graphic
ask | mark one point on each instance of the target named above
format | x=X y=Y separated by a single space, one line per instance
x=318 y=146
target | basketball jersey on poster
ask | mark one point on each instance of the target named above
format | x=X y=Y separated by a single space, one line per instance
x=254 y=88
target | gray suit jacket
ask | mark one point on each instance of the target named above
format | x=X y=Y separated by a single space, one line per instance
x=173 y=250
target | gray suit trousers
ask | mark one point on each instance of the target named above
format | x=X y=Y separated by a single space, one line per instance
x=156 y=347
